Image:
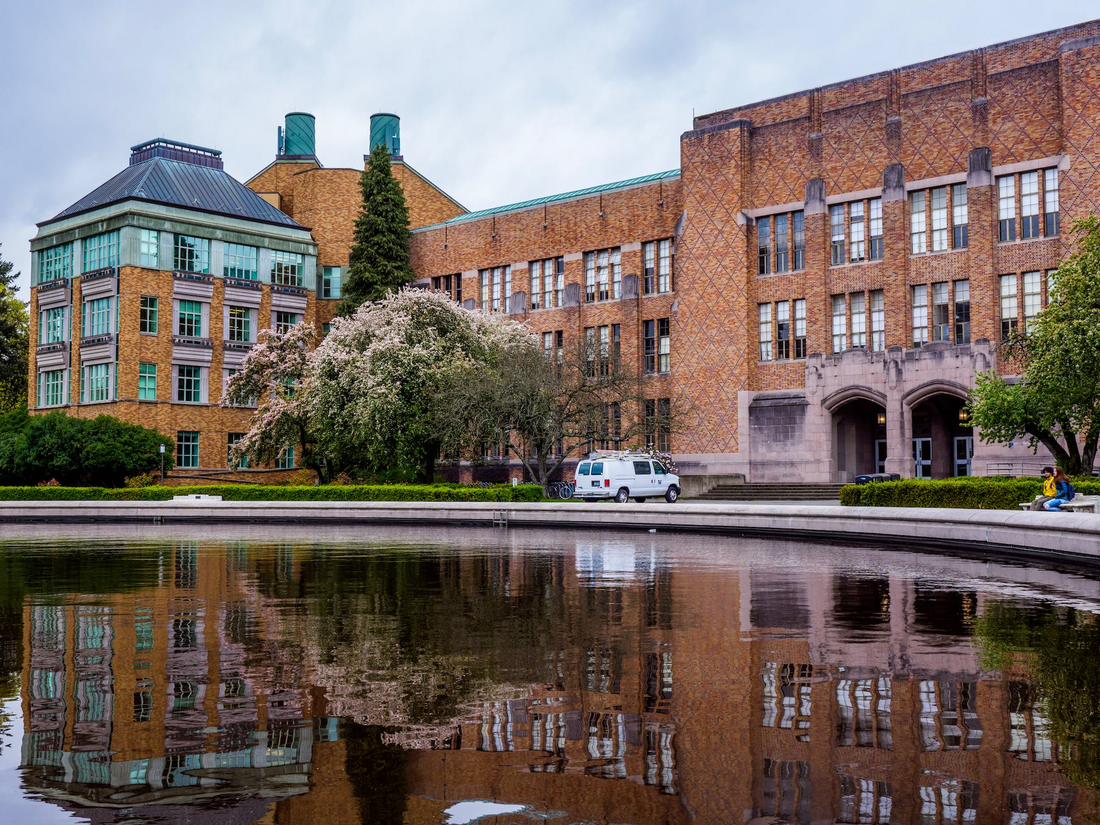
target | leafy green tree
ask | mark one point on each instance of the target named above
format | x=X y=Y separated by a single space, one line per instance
x=380 y=254
x=1056 y=400
x=14 y=341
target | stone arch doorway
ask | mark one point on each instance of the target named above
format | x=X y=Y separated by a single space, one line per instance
x=859 y=437
x=942 y=436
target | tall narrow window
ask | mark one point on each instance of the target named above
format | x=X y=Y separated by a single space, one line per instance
x=615 y=272
x=1033 y=299
x=485 y=282
x=616 y=344
x=190 y=319
x=148 y=323
x=799 y=259
x=147 y=382
x=1008 y=307
x=874 y=208
x=857 y=231
x=52 y=326
x=150 y=248
x=878 y=321
x=534 y=269
x=920 y=315
x=51 y=388
x=783 y=330
x=962 y=312
x=664 y=345
x=664 y=265
x=589 y=277
x=559 y=281
x=941 y=315
x=959 y=217
x=187 y=448
x=840 y=324
x=800 y=328
x=649 y=346
x=836 y=233
x=859 y=320
x=764 y=245
x=240 y=324
x=649 y=268
x=241 y=261
x=1029 y=205
x=765 y=332
x=782 y=244
x=918 y=236
x=1050 y=202
x=549 y=268
x=1006 y=208
x=939 y=219
x=97 y=383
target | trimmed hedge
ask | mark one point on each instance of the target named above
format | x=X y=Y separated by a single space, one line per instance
x=963 y=493
x=242 y=492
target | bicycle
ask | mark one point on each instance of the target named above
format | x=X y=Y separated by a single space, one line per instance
x=561 y=489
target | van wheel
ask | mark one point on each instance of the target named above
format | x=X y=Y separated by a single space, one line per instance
x=640 y=499
x=623 y=496
x=671 y=494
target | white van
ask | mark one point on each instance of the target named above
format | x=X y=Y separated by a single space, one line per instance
x=624 y=476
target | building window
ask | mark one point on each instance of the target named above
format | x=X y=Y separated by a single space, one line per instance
x=782 y=243
x=231 y=442
x=764 y=244
x=857 y=232
x=765 y=332
x=1029 y=205
x=920 y=315
x=962 y=312
x=496 y=288
x=285 y=461
x=840 y=324
x=859 y=320
x=1008 y=307
x=1050 y=202
x=939 y=219
x=240 y=324
x=664 y=346
x=51 y=388
x=649 y=346
x=602 y=275
x=97 y=317
x=285 y=320
x=657 y=267
x=878 y=321
x=874 y=208
x=331 y=283
x=800 y=328
x=148 y=324
x=147 y=382
x=100 y=251
x=1033 y=299
x=97 y=383
x=187 y=448
x=783 y=330
x=836 y=232
x=55 y=262
x=941 y=313
x=656 y=423
x=241 y=262
x=51 y=325
x=149 y=246
x=798 y=220
x=1006 y=208
x=547 y=283
x=959 y=218
x=189 y=384
x=190 y=319
x=286 y=268
x=191 y=254
x=918 y=236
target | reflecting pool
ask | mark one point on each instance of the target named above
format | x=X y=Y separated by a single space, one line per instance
x=458 y=675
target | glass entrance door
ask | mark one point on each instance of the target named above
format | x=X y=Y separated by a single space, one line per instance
x=922 y=458
x=880 y=455
x=964 y=452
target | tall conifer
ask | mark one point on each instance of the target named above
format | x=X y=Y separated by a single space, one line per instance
x=380 y=255
x=14 y=341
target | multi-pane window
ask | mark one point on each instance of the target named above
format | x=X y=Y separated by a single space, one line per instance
x=1029 y=205
x=97 y=382
x=765 y=332
x=798 y=221
x=764 y=244
x=836 y=233
x=147 y=382
x=602 y=275
x=656 y=423
x=783 y=330
x=920 y=315
x=918 y=240
x=939 y=219
x=800 y=328
x=231 y=442
x=331 y=282
x=97 y=317
x=657 y=266
x=449 y=285
x=1050 y=202
x=240 y=324
x=1033 y=299
x=287 y=268
x=664 y=345
x=874 y=210
x=840 y=324
x=649 y=346
x=941 y=313
x=191 y=254
x=190 y=319
x=285 y=320
x=51 y=388
x=187 y=448
x=496 y=288
x=51 y=325
x=857 y=232
x=859 y=320
x=1006 y=208
x=1008 y=307
x=100 y=251
x=189 y=384
x=149 y=247
x=547 y=283
x=959 y=217
x=782 y=243
x=962 y=312
x=241 y=261
x=878 y=321
x=285 y=460
x=148 y=323
x=55 y=262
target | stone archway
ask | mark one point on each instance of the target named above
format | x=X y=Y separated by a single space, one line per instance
x=858 y=429
x=940 y=432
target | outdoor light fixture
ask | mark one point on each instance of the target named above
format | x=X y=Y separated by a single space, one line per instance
x=964 y=417
x=882 y=418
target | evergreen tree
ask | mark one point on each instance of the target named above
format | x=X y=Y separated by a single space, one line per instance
x=380 y=255
x=14 y=341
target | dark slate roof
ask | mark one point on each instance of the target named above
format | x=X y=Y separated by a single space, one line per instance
x=186 y=185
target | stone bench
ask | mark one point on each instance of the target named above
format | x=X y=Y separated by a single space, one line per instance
x=1080 y=504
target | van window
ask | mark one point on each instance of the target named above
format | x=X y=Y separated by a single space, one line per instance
x=597 y=468
x=582 y=469
x=659 y=468
x=641 y=468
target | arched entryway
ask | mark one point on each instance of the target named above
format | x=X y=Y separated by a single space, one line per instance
x=859 y=435
x=941 y=433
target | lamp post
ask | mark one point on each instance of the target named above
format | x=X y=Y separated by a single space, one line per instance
x=162 y=464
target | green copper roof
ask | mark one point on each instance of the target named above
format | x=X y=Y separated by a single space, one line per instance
x=672 y=174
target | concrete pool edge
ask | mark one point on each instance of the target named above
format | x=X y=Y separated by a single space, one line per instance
x=1057 y=536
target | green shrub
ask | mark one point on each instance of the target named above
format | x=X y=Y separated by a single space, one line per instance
x=995 y=493
x=240 y=492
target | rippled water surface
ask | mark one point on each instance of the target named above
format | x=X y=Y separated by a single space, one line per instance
x=464 y=675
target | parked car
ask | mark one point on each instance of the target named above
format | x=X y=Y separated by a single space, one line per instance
x=624 y=476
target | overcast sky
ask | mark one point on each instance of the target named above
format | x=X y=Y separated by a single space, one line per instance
x=500 y=100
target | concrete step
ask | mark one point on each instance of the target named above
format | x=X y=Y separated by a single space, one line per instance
x=772 y=492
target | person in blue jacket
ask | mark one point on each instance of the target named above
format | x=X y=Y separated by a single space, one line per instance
x=1063 y=491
